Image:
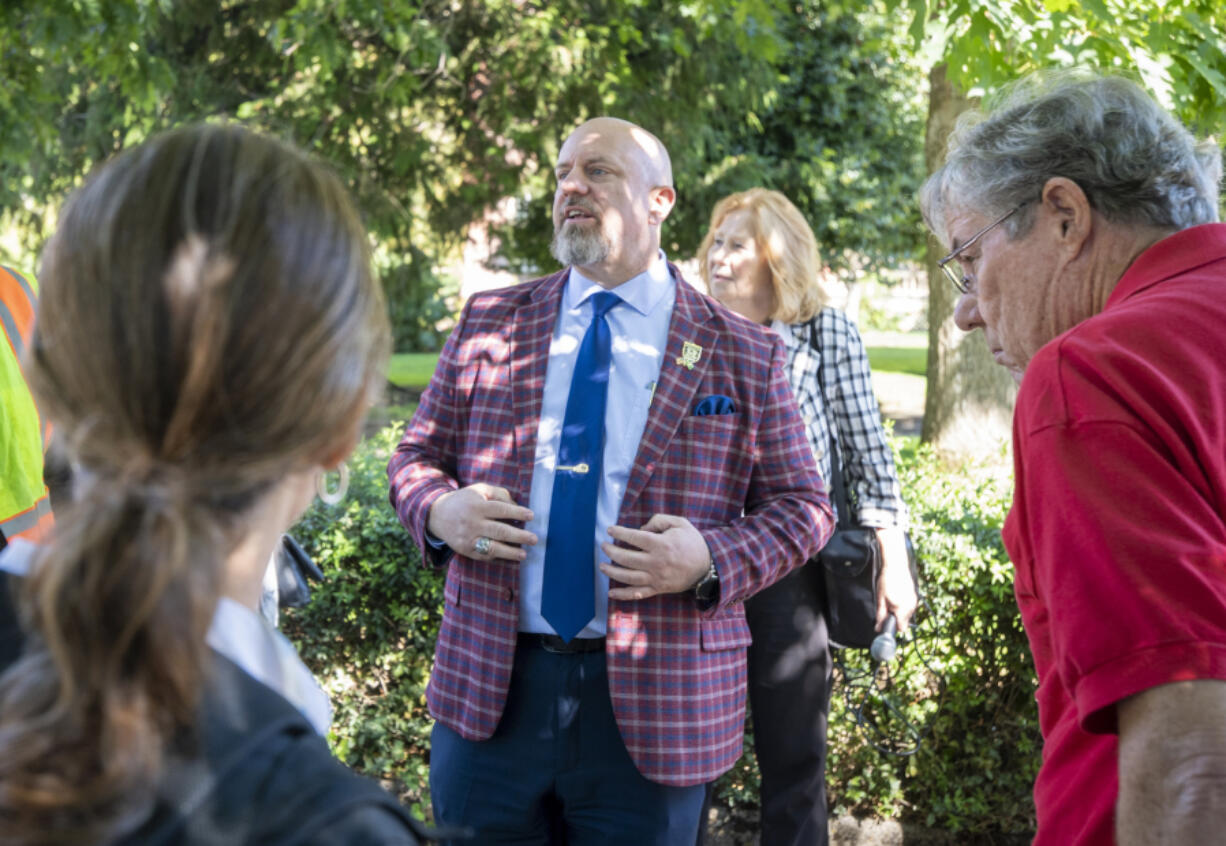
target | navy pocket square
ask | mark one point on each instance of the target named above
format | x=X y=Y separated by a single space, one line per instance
x=714 y=404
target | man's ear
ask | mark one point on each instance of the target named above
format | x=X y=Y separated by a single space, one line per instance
x=1065 y=207
x=660 y=204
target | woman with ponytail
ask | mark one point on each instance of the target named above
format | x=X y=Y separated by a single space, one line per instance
x=209 y=337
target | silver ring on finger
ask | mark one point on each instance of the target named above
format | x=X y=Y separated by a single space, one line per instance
x=483 y=546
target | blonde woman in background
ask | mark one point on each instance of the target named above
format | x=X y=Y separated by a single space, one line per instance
x=760 y=259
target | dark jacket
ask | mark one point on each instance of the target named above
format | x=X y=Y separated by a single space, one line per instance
x=253 y=772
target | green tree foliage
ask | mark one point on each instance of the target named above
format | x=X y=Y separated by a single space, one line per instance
x=841 y=135
x=1174 y=48
x=826 y=107
x=434 y=111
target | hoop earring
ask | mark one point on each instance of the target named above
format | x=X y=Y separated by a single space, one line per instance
x=328 y=497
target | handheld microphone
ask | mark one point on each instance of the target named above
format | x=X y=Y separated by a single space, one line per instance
x=884 y=645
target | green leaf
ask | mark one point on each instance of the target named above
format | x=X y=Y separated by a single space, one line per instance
x=1210 y=74
x=1099 y=10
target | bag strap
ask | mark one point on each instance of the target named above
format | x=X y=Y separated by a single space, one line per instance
x=838 y=486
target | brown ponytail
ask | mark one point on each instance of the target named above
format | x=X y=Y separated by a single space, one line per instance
x=209 y=322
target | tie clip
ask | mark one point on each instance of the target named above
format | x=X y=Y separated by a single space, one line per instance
x=574 y=468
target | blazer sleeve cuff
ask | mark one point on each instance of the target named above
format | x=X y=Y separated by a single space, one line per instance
x=416 y=519
x=723 y=551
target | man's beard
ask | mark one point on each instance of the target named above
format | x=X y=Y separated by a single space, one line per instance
x=579 y=246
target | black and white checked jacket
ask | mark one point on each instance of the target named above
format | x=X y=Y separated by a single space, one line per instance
x=868 y=464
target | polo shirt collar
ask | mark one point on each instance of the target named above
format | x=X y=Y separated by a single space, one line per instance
x=1175 y=254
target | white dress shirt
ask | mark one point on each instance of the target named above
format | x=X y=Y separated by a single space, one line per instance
x=244 y=637
x=639 y=327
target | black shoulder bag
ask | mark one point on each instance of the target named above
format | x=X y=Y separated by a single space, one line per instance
x=295 y=571
x=848 y=567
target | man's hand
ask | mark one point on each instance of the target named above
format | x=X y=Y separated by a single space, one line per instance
x=460 y=517
x=895 y=588
x=667 y=555
x=1172 y=765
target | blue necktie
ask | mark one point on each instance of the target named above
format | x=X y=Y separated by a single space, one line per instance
x=568 y=596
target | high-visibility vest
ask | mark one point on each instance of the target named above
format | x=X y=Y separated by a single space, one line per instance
x=25 y=505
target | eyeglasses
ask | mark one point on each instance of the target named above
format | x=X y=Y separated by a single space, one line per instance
x=953 y=269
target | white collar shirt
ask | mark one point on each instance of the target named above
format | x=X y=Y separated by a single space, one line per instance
x=244 y=637
x=639 y=326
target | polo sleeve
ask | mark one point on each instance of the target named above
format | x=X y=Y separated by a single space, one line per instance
x=1129 y=559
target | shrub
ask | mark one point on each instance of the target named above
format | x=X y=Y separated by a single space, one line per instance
x=973 y=773
x=369 y=635
x=976 y=764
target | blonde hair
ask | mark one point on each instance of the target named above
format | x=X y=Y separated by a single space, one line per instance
x=787 y=241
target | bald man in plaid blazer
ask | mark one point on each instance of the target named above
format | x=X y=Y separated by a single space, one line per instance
x=710 y=509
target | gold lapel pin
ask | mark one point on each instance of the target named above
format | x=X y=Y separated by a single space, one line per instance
x=690 y=353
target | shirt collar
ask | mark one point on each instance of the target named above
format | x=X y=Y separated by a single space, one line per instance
x=786 y=331
x=15 y=558
x=642 y=292
x=241 y=635
x=1183 y=251
x=248 y=640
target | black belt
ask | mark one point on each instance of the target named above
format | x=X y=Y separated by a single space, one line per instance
x=553 y=643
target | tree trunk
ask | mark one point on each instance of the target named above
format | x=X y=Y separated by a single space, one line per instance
x=968 y=408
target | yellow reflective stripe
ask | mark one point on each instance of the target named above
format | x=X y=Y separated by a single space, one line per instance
x=26 y=520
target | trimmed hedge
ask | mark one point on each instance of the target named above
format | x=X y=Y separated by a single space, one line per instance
x=369 y=636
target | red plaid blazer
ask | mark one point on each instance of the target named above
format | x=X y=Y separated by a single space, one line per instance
x=746 y=480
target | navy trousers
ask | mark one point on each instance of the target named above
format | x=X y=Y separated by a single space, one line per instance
x=556 y=770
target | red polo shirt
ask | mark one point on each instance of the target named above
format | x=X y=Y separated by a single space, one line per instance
x=1118 y=525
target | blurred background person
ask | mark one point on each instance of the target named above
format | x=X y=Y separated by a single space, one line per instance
x=25 y=504
x=1082 y=224
x=209 y=338
x=760 y=259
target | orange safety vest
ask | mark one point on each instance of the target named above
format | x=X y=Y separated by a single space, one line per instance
x=25 y=505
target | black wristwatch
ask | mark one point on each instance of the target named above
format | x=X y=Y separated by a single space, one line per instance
x=707 y=589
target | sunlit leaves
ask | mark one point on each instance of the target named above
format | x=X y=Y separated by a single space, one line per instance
x=1174 y=48
x=434 y=112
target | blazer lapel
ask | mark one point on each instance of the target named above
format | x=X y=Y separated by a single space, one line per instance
x=678 y=382
x=531 y=335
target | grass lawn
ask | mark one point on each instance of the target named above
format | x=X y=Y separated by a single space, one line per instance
x=888 y=352
x=411 y=370
x=897 y=352
x=898 y=360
